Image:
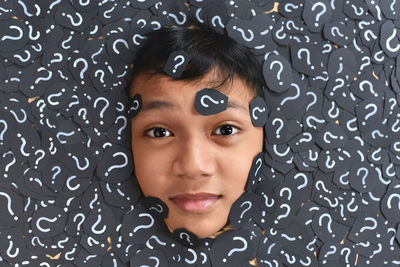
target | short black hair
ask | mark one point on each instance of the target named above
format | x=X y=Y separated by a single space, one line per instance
x=207 y=49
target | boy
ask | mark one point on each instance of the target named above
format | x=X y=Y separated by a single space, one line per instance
x=197 y=165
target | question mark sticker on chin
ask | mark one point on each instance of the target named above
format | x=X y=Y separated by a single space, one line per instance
x=156 y=207
x=187 y=238
x=232 y=248
x=210 y=101
x=258 y=112
x=176 y=63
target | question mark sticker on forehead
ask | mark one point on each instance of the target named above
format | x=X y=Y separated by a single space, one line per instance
x=258 y=112
x=176 y=63
x=134 y=105
x=210 y=101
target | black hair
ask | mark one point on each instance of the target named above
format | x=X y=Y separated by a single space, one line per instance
x=208 y=49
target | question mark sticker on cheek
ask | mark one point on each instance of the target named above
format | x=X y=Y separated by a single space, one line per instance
x=258 y=112
x=210 y=101
x=176 y=63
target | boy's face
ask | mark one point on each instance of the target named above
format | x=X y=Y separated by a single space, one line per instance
x=198 y=165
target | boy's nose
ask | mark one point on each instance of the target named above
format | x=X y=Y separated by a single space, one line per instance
x=194 y=158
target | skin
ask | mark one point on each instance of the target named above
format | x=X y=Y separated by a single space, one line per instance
x=193 y=153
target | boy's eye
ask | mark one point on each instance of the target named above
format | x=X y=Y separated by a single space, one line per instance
x=226 y=130
x=157 y=132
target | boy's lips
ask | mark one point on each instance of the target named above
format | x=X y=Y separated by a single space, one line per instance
x=198 y=202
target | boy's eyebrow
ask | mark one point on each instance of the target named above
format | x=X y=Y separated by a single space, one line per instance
x=160 y=104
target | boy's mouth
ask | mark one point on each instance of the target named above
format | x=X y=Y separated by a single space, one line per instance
x=197 y=202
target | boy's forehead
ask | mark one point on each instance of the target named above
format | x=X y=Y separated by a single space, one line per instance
x=161 y=91
x=215 y=78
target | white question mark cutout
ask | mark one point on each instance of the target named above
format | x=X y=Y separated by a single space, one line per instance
x=125 y=123
x=347 y=255
x=389 y=200
x=246 y=209
x=290 y=7
x=82 y=216
x=306 y=139
x=278 y=75
x=114 y=46
x=187 y=237
x=180 y=63
x=241 y=239
x=320 y=182
x=370 y=85
x=258 y=167
x=372 y=113
x=84 y=69
x=77 y=163
x=292 y=97
x=269 y=205
x=332 y=136
x=43 y=154
x=300 y=174
x=136 y=36
x=340 y=85
x=365 y=175
x=308 y=59
x=373 y=227
x=209 y=98
x=280 y=126
x=288 y=190
x=329 y=225
x=137 y=228
x=45 y=230
x=12 y=162
x=319 y=14
x=3 y=122
x=59 y=134
x=260 y=110
x=104 y=108
x=157 y=240
x=71 y=19
x=218 y=18
x=391 y=37
x=284 y=205
x=123 y=165
x=193 y=252
x=14 y=38
x=9 y=204
x=336 y=29
x=94 y=226
x=158 y=210
x=10 y=246
x=330 y=252
x=247 y=39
